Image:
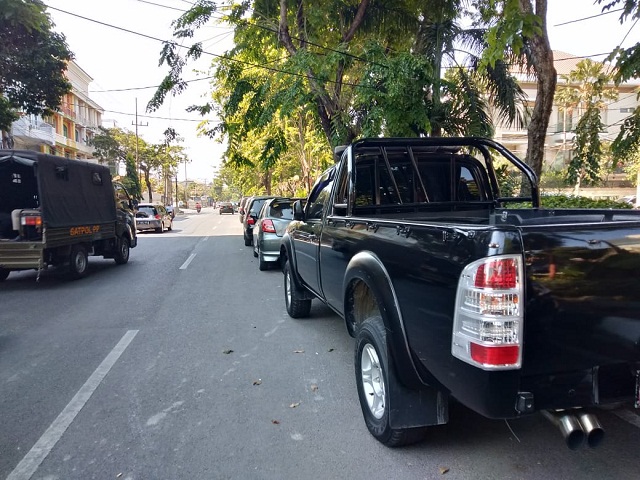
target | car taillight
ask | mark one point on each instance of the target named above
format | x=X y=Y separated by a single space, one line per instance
x=31 y=220
x=488 y=318
x=157 y=216
x=251 y=221
x=267 y=226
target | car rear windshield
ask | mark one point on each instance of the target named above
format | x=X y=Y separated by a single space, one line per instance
x=281 y=210
x=256 y=206
x=148 y=210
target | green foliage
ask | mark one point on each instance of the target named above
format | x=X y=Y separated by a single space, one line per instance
x=585 y=164
x=508 y=180
x=571 y=201
x=393 y=100
x=131 y=180
x=626 y=146
x=32 y=61
x=509 y=33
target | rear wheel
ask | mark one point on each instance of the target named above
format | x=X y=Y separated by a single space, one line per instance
x=4 y=273
x=374 y=374
x=78 y=261
x=170 y=227
x=297 y=305
x=247 y=241
x=160 y=229
x=122 y=251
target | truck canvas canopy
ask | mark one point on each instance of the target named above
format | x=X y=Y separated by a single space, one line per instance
x=68 y=192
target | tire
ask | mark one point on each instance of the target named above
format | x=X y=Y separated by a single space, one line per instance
x=297 y=305
x=122 y=250
x=170 y=227
x=374 y=374
x=4 y=273
x=160 y=229
x=247 y=241
x=78 y=262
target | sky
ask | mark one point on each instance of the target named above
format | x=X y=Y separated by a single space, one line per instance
x=110 y=41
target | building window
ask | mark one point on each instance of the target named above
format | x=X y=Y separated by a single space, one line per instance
x=65 y=131
x=77 y=136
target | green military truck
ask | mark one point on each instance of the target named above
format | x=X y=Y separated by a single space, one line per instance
x=57 y=211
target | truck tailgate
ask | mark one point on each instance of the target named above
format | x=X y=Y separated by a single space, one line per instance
x=582 y=325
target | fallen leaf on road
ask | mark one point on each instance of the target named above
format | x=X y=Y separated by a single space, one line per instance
x=257 y=382
x=298 y=351
x=294 y=405
x=314 y=387
x=331 y=350
x=443 y=470
x=275 y=422
x=227 y=352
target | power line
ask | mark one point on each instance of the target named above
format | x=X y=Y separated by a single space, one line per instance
x=588 y=18
x=163 y=6
x=225 y=57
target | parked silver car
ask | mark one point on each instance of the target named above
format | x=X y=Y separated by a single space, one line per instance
x=150 y=216
x=274 y=216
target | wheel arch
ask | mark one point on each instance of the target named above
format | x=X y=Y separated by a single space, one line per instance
x=368 y=290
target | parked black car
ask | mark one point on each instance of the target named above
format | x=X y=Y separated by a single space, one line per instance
x=252 y=209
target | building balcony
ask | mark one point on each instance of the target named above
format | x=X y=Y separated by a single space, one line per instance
x=84 y=148
x=33 y=132
x=68 y=112
x=67 y=142
x=87 y=122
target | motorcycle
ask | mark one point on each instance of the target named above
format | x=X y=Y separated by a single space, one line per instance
x=198 y=207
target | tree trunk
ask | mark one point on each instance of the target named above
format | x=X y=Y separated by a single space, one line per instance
x=542 y=58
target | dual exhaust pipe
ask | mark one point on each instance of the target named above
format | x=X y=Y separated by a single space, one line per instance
x=576 y=427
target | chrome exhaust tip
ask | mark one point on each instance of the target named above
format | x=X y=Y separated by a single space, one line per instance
x=569 y=426
x=592 y=428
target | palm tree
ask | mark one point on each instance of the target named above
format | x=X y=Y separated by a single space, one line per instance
x=585 y=91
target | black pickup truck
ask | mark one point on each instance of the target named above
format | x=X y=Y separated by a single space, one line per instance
x=56 y=211
x=452 y=294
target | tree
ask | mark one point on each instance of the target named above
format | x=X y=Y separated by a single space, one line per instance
x=33 y=60
x=131 y=180
x=585 y=91
x=521 y=32
x=626 y=147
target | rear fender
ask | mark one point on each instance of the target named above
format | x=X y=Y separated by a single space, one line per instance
x=369 y=290
x=287 y=255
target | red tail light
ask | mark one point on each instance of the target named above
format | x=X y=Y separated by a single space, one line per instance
x=32 y=220
x=267 y=226
x=157 y=216
x=488 y=323
x=251 y=221
x=500 y=274
x=499 y=355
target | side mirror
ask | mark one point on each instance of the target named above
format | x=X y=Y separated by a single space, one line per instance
x=298 y=212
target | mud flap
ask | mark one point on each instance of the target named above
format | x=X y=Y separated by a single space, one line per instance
x=416 y=408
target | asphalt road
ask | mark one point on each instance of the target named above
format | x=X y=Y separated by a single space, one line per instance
x=183 y=364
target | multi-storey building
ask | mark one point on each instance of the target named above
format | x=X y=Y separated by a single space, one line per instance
x=560 y=132
x=69 y=131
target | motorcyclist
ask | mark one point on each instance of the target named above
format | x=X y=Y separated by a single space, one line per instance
x=198 y=207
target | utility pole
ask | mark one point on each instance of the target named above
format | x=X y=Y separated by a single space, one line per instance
x=137 y=158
